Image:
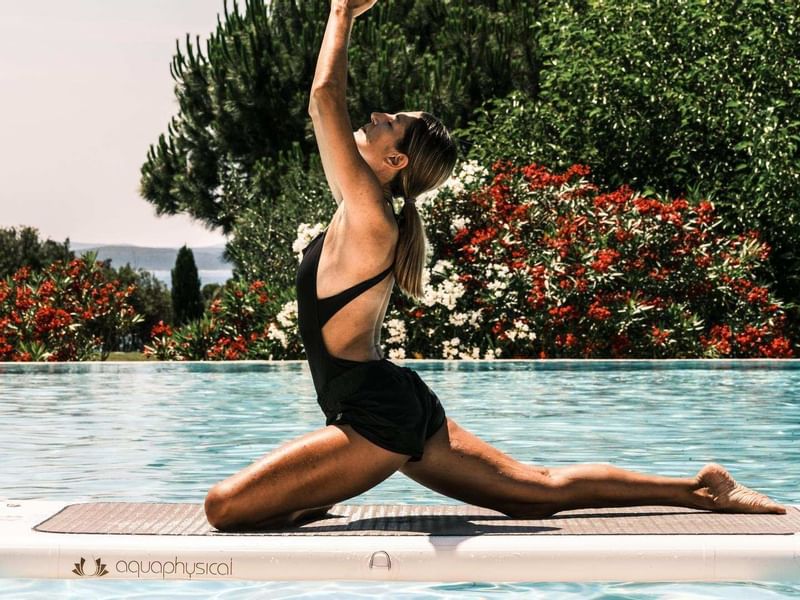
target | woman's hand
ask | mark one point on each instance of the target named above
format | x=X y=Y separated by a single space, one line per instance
x=357 y=7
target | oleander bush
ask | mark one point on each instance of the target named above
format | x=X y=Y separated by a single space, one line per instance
x=694 y=98
x=67 y=311
x=531 y=263
x=245 y=322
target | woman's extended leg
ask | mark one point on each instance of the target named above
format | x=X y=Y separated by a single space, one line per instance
x=301 y=479
x=460 y=465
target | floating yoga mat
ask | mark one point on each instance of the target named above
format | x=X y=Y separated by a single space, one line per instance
x=414 y=519
x=399 y=542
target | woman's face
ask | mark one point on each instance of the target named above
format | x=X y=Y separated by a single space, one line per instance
x=377 y=141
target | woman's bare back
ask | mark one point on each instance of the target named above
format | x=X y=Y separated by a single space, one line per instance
x=350 y=255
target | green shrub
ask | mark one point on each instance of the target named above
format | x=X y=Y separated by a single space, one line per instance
x=531 y=263
x=23 y=248
x=248 y=321
x=690 y=98
x=69 y=311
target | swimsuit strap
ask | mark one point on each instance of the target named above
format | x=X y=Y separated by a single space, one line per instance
x=327 y=307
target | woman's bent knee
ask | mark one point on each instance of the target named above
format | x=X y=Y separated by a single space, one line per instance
x=218 y=507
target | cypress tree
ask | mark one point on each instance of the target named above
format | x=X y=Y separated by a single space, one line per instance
x=187 y=301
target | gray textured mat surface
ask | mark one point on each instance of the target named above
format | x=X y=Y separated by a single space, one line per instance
x=416 y=519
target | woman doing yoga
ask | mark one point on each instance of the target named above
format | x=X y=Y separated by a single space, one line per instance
x=381 y=417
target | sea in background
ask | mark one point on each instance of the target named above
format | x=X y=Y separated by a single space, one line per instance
x=219 y=276
x=211 y=267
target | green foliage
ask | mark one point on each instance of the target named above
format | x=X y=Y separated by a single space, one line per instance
x=239 y=324
x=187 y=303
x=532 y=263
x=23 y=248
x=68 y=311
x=210 y=292
x=692 y=98
x=234 y=154
x=696 y=98
x=261 y=247
x=150 y=298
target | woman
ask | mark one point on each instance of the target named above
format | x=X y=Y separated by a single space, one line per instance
x=381 y=417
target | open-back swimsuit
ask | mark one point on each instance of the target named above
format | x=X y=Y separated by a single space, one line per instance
x=388 y=404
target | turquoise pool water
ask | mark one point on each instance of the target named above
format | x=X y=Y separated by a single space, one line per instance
x=167 y=431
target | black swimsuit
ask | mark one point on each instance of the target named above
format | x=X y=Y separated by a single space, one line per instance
x=388 y=404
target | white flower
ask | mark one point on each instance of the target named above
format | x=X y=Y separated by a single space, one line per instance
x=397 y=331
x=453 y=184
x=441 y=267
x=446 y=293
x=305 y=233
x=475 y=319
x=398 y=353
x=288 y=315
x=474 y=354
x=520 y=329
x=458 y=319
x=471 y=172
x=278 y=334
x=498 y=286
x=449 y=349
x=458 y=223
x=490 y=354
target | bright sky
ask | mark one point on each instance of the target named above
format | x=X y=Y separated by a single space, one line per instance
x=85 y=89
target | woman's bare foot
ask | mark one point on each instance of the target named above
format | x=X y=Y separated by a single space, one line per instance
x=730 y=496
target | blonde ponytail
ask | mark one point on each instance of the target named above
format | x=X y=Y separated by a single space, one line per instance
x=411 y=251
x=431 y=155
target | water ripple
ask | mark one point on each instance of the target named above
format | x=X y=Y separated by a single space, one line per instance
x=166 y=432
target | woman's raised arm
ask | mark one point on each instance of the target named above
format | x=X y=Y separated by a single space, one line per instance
x=348 y=175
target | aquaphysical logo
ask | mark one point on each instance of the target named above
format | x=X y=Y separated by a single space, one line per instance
x=99 y=569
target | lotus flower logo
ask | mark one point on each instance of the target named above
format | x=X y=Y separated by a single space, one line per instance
x=99 y=569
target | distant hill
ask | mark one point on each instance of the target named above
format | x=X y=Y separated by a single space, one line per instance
x=207 y=258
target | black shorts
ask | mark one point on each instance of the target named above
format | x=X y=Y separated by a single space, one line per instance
x=388 y=404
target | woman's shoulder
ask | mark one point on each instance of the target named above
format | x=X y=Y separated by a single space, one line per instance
x=375 y=227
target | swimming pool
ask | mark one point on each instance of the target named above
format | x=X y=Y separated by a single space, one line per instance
x=167 y=431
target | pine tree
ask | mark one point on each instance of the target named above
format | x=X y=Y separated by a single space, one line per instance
x=187 y=301
x=243 y=99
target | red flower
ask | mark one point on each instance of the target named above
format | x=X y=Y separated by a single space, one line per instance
x=160 y=329
x=660 y=336
x=22 y=274
x=647 y=206
x=598 y=312
x=615 y=200
x=702 y=261
x=460 y=235
x=605 y=258
x=562 y=313
x=48 y=318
